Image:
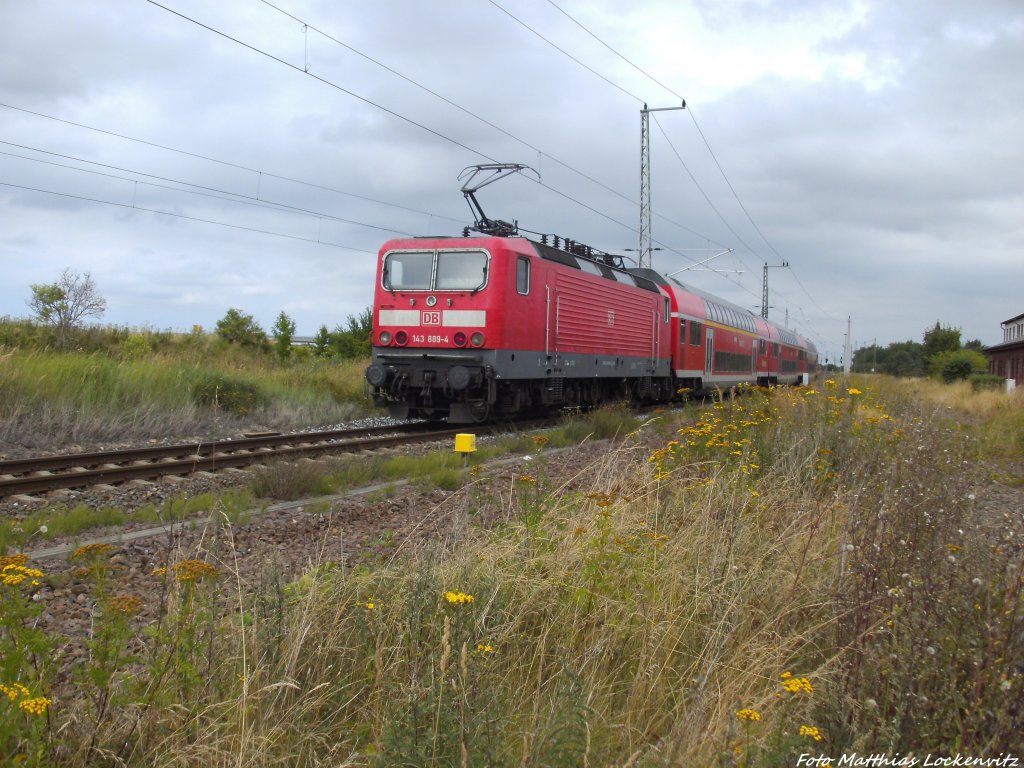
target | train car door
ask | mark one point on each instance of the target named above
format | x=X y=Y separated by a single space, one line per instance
x=709 y=351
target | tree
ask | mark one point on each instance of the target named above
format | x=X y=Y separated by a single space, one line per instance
x=940 y=339
x=322 y=341
x=283 y=330
x=353 y=340
x=236 y=327
x=66 y=302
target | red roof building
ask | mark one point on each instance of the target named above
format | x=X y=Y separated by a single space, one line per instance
x=1007 y=359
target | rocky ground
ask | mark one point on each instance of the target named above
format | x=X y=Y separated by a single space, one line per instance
x=269 y=548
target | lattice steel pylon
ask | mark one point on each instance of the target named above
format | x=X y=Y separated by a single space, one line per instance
x=644 y=259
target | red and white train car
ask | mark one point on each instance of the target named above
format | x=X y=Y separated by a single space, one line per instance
x=472 y=327
x=718 y=344
x=466 y=328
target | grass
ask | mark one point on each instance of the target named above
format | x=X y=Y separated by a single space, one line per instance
x=59 y=521
x=789 y=572
x=50 y=399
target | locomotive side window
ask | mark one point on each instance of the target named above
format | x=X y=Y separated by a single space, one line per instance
x=461 y=270
x=408 y=271
x=695 y=329
x=523 y=275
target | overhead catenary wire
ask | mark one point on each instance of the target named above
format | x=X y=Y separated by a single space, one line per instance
x=529 y=145
x=136 y=207
x=692 y=117
x=226 y=163
x=305 y=71
x=221 y=194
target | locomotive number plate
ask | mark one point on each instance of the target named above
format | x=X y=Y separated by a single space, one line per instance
x=430 y=318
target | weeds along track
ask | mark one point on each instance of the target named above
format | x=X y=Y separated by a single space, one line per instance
x=41 y=474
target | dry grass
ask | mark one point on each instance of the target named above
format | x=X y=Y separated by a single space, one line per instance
x=718 y=591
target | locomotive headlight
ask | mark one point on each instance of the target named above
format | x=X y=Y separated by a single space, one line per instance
x=459 y=338
x=477 y=339
x=385 y=338
x=401 y=338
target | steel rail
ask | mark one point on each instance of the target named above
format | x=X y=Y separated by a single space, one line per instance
x=81 y=470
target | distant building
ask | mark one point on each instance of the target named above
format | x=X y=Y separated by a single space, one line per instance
x=1007 y=359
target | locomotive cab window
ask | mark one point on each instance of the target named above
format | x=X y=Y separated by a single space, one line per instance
x=523 y=275
x=408 y=271
x=461 y=270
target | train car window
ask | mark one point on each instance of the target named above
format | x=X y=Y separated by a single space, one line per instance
x=408 y=271
x=775 y=350
x=523 y=275
x=695 y=329
x=667 y=310
x=761 y=346
x=461 y=270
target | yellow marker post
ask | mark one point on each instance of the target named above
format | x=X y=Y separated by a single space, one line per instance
x=465 y=444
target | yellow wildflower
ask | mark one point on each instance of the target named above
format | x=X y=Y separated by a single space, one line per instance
x=18 y=559
x=484 y=648
x=457 y=598
x=92 y=551
x=13 y=574
x=36 y=706
x=853 y=391
x=797 y=684
x=129 y=605
x=810 y=730
x=748 y=714
x=13 y=691
x=193 y=570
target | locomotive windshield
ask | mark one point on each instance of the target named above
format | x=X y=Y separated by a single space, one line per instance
x=461 y=270
x=408 y=271
x=435 y=270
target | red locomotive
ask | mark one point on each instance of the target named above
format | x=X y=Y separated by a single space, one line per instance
x=466 y=328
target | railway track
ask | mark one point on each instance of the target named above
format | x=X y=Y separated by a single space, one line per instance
x=41 y=474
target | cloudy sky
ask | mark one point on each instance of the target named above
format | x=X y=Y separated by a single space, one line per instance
x=196 y=156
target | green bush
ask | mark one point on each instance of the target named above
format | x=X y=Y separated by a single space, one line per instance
x=232 y=393
x=986 y=381
x=958 y=365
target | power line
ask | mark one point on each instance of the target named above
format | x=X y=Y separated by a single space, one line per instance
x=244 y=199
x=563 y=51
x=602 y=42
x=540 y=152
x=184 y=216
x=361 y=98
x=323 y=80
x=696 y=125
x=226 y=163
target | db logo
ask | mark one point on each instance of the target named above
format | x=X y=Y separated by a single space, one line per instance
x=430 y=318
